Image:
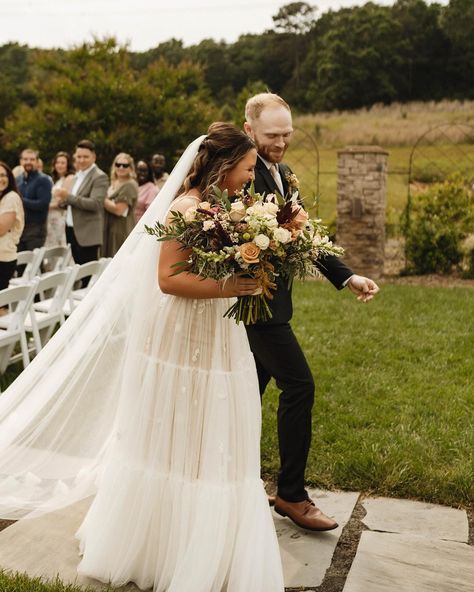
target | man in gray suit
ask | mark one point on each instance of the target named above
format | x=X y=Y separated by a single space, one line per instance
x=84 y=201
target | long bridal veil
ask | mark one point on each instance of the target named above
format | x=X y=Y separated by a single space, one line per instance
x=58 y=417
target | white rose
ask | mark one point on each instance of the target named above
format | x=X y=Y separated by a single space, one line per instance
x=258 y=209
x=190 y=214
x=237 y=211
x=208 y=225
x=282 y=235
x=205 y=205
x=271 y=223
x=271 y=208
x=262 y=241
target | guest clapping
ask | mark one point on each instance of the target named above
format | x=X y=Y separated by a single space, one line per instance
x=119 y=204
x=62 y=173
x=147 y=190
x=84 y=203
x=12 y=221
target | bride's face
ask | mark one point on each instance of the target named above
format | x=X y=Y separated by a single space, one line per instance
x=241 y=174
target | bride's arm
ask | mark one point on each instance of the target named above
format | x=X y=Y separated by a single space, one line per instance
x=189 y=285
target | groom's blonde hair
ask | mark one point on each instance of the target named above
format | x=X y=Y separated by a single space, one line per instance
x=256 y=104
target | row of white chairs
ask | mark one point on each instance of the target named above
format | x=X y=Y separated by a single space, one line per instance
x=38 y=306
x=41 y=261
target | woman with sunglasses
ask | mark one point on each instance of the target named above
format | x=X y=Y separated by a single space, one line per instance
x=119 y=204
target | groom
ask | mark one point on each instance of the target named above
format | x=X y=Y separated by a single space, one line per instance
x=276 y=350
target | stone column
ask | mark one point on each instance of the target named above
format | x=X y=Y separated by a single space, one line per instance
x=361 y=200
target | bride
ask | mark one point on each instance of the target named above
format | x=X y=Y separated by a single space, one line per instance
x=146 y=400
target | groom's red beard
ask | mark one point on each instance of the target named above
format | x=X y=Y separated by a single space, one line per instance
x=271 y=153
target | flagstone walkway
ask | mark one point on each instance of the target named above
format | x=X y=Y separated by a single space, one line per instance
x=404 y=546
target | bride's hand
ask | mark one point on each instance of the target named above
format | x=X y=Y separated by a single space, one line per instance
x=237 y=285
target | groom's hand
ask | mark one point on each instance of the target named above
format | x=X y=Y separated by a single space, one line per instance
x=364 y=288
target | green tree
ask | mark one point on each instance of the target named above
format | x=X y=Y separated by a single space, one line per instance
x=423 y=50
x=457 y=22
x=296 y=18
x=14 y=72
x=92 y=91
x=355 y=58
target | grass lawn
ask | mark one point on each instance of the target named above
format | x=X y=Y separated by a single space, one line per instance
x=22 y=583
x=394 y=411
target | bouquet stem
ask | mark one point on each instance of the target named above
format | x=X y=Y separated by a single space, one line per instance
x=249 y=310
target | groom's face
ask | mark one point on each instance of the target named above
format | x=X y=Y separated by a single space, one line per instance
x=271 y=132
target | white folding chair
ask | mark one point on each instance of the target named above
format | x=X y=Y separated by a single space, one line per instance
x=62 y=294
x=32 y=260
x=46 y=314
x=12 y=325
x=57 y=258
x=92 y=269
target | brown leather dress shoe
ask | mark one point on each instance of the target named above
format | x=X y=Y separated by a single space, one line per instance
x=305 y=514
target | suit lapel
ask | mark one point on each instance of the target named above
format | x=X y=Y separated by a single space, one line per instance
x=86 y=182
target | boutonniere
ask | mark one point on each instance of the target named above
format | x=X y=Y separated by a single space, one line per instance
x=293 y=182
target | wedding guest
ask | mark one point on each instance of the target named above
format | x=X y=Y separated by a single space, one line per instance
x=147 y=190
x=17 y=171
x=62 y=173
x=85 y=204
x=119 y=204
x=158 y=166
x=35 y=189
x=12 y=221
x=276 y=350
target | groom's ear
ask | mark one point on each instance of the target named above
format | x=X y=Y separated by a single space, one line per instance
x=248 y=129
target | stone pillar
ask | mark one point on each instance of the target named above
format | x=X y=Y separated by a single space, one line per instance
x=361 y=191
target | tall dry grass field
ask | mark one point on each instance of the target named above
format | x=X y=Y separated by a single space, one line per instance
x=444 y=132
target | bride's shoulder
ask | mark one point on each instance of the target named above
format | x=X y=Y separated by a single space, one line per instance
x=184 y=202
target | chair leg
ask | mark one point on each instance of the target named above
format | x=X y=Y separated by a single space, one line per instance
x=36 y=337
x=24 y=350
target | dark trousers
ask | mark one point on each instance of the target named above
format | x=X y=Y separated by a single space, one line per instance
x=81 y=254
x=7 y=269
x=33 y=236
x=279 y=355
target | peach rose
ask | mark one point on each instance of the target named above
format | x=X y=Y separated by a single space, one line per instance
x=301 y=218
x=249 y=252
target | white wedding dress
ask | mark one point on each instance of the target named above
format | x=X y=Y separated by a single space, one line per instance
x=149 y=403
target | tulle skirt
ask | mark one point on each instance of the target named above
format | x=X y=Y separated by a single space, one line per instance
x=180 y=506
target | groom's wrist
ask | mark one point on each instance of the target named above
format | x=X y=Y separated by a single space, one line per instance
x=345 y=282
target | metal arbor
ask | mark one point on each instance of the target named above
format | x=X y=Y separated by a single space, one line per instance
x=303 y=158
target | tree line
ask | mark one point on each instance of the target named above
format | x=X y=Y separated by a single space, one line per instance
x=343 y=59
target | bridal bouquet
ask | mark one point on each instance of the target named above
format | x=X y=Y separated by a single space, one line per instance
x=264 y=237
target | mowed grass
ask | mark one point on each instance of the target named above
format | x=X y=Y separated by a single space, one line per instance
x=22 y=583
x=394 y=410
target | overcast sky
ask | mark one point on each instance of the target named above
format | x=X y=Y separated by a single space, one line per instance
x=141 y=23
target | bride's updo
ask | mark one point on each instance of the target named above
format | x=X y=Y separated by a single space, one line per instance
x=224 y=146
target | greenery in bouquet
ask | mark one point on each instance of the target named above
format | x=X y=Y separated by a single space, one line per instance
x=263 y=236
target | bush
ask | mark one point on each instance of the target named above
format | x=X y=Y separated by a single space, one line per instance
x=438 y=223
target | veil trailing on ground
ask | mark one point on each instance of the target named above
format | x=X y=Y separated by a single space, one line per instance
x=57 y=418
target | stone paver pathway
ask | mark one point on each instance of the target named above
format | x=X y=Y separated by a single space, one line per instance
x=417 y=547
x=410 y=547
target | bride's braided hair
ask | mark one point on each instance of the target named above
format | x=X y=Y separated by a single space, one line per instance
x=224 y=146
